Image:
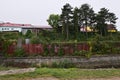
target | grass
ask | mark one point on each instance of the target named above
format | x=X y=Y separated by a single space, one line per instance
x=71 y=73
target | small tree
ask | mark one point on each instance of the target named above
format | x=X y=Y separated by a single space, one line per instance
x=28 y=34
x=54 y=22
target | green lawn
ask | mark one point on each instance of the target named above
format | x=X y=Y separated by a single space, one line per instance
x=65 y=73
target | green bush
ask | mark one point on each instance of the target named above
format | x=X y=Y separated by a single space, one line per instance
x=44 y=65
x=19 y=52
x=83 y=53
x=78 y=53
x=99 y=47
x=65 y=64
x=62 y=64
x=48 y=50
x=61 y=52
x=116 y=50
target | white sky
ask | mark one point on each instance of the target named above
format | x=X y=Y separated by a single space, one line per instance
x=37 y=11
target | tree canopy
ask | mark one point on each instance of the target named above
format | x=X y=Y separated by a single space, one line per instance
x=53 y=20
x=71 y=20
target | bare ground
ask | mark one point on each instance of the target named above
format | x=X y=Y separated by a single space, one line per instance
x=17 y=71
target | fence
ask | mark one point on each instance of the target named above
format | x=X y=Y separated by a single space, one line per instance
x=66 y=48
x=54 y=48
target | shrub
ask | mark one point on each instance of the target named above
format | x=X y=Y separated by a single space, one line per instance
x=98 y=46
x=66 y=64
x=48 y=50
x=60 y=52
x=19 y=52
x=44 y=65
x=116 y=50
x=62 y=64
x=83 y=53
x=78 y=53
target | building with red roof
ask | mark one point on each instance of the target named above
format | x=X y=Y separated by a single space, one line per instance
x=13 y=27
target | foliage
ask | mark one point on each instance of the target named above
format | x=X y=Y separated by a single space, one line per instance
x=76 y=22
x=62 y=64
x=83 y=53
x=7 y=35
x=35 y=40
x=87 y=15
x=67 y=28
x=73 y=19
x=19 y=52
x=28 y=34
x=102 y=18
x=61 y=52
x=5 y=46
x=79 y=53
x=116 y=50
x=100 y=46
x=53 y=20
x=66 y=18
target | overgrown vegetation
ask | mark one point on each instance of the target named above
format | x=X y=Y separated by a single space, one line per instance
x=69 y=29
x=96 y=45
x=19 y=52
x=61 y=64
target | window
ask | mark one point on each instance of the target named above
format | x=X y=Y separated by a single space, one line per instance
x=12 y=29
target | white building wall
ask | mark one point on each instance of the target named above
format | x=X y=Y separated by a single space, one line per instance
x=2 y=29
x=24 y=30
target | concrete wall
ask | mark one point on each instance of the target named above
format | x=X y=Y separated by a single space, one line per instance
x=80 y=62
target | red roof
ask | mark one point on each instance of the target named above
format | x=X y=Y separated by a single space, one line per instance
x=8 y=24
x=39 y=26
x=13 y=25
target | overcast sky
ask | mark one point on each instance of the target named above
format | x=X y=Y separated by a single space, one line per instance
x=37 y=11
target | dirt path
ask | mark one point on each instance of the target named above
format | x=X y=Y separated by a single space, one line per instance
x=17 y=71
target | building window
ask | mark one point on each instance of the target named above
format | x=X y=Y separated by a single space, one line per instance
x=12 y=29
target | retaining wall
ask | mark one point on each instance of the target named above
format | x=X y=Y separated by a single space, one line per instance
x=80 y=62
